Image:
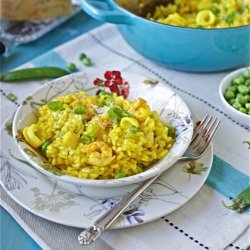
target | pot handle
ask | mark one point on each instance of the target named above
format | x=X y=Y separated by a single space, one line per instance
x=110 y=15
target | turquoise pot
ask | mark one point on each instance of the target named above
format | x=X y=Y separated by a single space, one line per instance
x=180 y=48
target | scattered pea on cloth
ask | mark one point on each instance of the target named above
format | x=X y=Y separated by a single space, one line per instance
x=85 y=59
x=11 y=97
x=71 y=67
x=238 y=92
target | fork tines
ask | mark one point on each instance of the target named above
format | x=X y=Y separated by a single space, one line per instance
x=205 y=131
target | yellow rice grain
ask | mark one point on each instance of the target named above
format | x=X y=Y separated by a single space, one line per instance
x=113 y=149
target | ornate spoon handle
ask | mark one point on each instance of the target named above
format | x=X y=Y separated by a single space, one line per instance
x=93 y=232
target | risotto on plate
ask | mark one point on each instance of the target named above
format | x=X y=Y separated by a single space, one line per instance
x=100 y=136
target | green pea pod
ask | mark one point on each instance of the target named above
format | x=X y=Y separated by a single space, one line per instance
x=33 y=74
x=241 y=202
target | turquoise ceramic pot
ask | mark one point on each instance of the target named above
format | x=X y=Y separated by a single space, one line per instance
x=180 y=48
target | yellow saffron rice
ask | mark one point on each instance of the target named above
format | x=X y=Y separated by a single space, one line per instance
x=196 y=13
x=203 y=13
x=99 y=137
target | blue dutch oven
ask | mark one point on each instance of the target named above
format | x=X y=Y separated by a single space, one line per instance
x=180 y=48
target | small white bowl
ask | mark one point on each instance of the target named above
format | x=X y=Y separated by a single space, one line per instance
x=238 y=116
x=170 y=106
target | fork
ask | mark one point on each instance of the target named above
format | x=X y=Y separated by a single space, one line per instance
x=202 y=137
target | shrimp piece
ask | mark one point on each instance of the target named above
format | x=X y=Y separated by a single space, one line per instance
x=140 y=109
x=99 y=153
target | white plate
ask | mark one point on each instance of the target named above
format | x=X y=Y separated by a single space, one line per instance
x=33 y=191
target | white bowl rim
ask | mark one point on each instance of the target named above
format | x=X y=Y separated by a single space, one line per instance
x=93 y=182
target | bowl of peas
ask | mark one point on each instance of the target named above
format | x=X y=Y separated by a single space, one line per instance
x=235 y=95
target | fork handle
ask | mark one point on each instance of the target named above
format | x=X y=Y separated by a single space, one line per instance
x=93 y=232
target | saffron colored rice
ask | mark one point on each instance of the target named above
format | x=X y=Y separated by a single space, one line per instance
x=203 y=13
x=99 y=137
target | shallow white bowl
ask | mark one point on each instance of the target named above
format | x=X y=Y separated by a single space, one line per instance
x=170 y=106
x=238 y=116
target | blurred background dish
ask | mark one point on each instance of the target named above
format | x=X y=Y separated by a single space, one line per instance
x=234 y=92
x=181 y=48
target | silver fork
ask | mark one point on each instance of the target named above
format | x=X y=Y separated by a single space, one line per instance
x=202 y=136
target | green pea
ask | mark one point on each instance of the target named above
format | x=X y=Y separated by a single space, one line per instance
x=92 y=129
x=105 y=93
x=240 y=99
x=232 y=101
x=106 y=98
x=72 y=67
x=118 y=113
x=247 y=82
x=82 y=56
x=86 y=61
x=11 y=97
x=133 y=129
x=44 y=146
x=170 y=131
x=86 y=139
x=238 y=80
x=216 y=11
x=247 y=73
x=232 y=88
x=237 y=105
x=55 y=105
x=79 y=109
x=230 y=18
x=229 y=95
x=243 y=89
x=243 y=110
x=120 y=175
x=247 y=106
x=247 y=97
